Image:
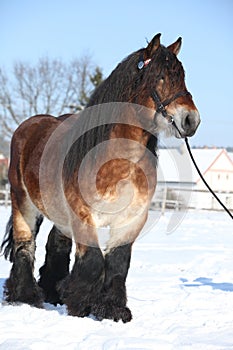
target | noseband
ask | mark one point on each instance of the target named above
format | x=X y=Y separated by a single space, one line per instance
x=160 y=106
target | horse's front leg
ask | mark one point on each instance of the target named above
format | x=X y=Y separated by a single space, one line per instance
x=113 y=304
x=114 y=297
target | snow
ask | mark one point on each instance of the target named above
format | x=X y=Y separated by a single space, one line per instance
x=180 y=291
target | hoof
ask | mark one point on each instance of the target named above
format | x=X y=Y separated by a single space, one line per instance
x=52 y=298
x=15 y=294
x=78 y=311
x=51 y=294
x=111 y=312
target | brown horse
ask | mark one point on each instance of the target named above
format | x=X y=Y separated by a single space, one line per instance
x=96 y=169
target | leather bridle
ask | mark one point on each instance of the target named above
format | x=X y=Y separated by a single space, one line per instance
x=160 y=106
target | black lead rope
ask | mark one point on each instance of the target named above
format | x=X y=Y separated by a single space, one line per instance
x=200 y=174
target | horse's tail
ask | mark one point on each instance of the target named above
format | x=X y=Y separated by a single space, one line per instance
x=7 y=245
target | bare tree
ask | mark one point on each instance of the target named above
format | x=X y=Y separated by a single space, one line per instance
x=50 y=87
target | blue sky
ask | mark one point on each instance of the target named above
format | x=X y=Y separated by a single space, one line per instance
x=110 y=30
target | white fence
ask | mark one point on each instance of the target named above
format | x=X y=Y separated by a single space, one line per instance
x=180 y=198
x=168 y=198
x=5 y=195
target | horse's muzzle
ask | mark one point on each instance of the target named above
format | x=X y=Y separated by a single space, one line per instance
x=187 y=123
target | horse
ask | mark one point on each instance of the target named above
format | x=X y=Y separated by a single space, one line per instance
x=90 y=170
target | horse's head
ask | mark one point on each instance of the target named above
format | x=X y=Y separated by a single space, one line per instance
x=163 y=87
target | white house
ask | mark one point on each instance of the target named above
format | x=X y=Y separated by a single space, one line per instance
x=178 y=176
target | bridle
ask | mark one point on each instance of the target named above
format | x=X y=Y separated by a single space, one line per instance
x=160 y=106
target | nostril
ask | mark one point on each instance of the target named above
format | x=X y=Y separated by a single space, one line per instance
x=187 y=122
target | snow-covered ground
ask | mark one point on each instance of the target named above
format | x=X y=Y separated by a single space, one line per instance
x=180 y=291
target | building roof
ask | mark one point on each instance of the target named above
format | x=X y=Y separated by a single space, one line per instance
x=175 y=165
x=230 y=154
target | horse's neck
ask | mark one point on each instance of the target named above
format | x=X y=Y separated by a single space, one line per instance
x=131 y=132
x=130 y=141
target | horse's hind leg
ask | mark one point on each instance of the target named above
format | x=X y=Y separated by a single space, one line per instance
x=56 y=266
x=21 y=286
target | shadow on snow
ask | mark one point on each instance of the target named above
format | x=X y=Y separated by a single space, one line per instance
x=203 y=281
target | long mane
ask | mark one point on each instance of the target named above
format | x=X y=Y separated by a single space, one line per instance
x=125 y=84
x=120 y=85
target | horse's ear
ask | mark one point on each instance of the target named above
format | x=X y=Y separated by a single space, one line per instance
x=153 y=45
x=175 y=47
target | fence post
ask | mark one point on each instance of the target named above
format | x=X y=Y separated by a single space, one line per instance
x=6 y=195
x=164 y=200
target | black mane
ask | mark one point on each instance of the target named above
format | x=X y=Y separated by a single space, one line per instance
x=125 y=84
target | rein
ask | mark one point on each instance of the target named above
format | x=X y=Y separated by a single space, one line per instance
x=161 y=109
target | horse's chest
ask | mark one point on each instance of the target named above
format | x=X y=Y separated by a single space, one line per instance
x=122 y=188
